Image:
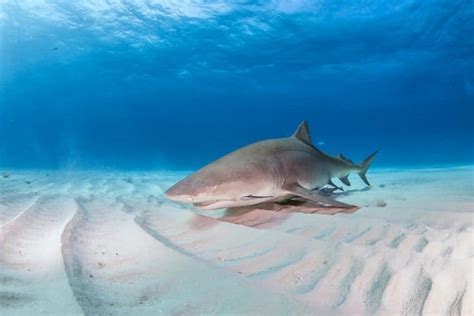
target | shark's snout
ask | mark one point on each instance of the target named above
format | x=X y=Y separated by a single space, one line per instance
x=183 y=192
x=178 y=194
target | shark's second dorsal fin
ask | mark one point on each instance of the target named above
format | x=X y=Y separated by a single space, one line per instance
x=302 y=133
x=341 y=156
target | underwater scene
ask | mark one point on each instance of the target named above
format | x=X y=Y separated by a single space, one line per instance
x=195 y=157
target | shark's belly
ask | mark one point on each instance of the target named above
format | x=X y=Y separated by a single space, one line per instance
x=316 y=183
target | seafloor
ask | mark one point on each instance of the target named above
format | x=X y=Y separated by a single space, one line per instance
x=110 y=243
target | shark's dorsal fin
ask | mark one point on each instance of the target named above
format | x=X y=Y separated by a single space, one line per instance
x=302 y=133
x=341 y=156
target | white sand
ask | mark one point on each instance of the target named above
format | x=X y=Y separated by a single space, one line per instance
x=109 y=243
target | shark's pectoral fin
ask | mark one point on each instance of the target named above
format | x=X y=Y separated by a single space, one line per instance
x=315 y=196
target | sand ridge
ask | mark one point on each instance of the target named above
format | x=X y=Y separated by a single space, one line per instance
x=110 y=243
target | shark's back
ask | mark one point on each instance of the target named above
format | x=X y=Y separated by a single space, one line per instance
x=259 y=160
x=266 y=151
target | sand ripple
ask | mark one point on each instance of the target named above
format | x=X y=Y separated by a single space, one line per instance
x=109 y=243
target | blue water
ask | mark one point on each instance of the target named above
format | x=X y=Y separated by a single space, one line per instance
x=139 y=84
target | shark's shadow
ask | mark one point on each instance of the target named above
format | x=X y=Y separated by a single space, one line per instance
x=295 y=205
x=270 y=214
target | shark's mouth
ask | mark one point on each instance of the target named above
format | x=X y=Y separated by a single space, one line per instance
x=205 y=203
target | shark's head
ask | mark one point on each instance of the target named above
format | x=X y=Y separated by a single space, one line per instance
x=211 y=188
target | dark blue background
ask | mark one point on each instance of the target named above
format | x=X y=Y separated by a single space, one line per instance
x=176 y=86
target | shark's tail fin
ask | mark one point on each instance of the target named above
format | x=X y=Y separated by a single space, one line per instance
x=364 y=166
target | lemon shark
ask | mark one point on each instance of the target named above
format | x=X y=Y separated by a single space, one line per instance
x=269 y=170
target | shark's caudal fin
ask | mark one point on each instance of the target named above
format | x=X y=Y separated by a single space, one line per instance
x=364 y=165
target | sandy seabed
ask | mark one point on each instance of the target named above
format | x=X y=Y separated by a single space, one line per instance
x=109 y=243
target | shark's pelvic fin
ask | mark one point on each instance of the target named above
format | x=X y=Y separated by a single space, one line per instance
x=302 y=133
x=345 y=180
x=364 y=166
x=314 y=196
x=334 y=185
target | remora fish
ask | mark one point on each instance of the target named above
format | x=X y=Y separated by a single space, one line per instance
x=269 y=170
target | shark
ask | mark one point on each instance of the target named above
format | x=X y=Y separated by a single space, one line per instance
x=273 y=170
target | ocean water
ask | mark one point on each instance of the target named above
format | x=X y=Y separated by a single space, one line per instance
x=106 y=104
x=176 y=84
